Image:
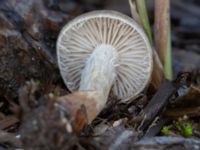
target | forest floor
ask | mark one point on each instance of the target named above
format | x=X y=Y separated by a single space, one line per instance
x=30 y=82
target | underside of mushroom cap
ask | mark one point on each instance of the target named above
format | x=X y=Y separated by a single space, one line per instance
x=79 y=38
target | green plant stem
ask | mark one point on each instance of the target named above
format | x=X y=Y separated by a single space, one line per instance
x=142 y=11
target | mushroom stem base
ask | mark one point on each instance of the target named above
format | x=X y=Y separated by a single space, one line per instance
x=99 y=73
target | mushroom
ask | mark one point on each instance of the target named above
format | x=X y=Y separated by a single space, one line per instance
x=101 y=52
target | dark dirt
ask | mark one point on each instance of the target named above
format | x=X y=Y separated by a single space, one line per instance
x=27 y=39
x=29 y=116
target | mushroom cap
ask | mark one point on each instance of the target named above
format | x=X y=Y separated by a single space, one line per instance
x=79 y=38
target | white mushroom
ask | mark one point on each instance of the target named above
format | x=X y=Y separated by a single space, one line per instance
x=104 y=51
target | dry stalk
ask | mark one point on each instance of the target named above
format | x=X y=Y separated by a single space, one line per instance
x=162 y=35
x=139 y=13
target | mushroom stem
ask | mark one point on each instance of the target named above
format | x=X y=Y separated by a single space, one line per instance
x=99 y=74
